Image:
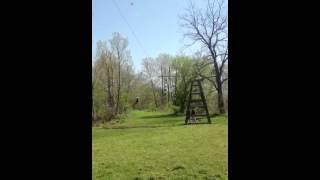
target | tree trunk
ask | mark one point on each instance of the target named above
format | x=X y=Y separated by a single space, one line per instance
x=221 y=103
x=110 y=102
x=183 y=104
x=118 y=97
x=94 y=116
x=154 y=95
x=220 y=96
x=218 y=82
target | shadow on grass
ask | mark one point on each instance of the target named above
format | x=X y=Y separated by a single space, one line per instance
x=131 y=127
x=197 y=123
x=158 y=116
x=173 y=115
x=155 y=126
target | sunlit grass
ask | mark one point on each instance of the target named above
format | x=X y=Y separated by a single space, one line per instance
x=169 y=150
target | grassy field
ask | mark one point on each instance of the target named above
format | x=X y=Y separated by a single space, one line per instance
x=153 y=145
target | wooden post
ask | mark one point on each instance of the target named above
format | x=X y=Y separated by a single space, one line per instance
x=204 y=102
x=161 y=81
x=168 y=84
x=188 y=105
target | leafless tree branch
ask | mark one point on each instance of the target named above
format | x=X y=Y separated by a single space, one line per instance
x=226 y=79
x=210 y=29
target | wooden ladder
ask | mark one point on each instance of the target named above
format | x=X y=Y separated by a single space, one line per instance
x=202 y=103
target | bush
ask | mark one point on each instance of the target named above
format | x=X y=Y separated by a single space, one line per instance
x=172 y=108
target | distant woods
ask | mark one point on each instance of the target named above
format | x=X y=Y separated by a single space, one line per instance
x=164 y=82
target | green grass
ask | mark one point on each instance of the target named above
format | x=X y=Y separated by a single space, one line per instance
x=153 y=145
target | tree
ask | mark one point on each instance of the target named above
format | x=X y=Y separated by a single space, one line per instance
x=209 y=28
x=164 y=61
x=112 y=78
x=103 y=93
x=149 y=69
x=119 y=50
x=184 y=74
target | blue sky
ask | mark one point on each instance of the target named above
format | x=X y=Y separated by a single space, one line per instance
x=154 y=22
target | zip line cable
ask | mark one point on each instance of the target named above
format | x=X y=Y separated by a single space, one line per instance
x=131 y=29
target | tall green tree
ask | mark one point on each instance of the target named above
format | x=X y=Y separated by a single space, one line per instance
x=183 y=66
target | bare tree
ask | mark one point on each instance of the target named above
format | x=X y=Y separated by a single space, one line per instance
x=112 y=78
x=149 y=70
x=103 y=78
x=119 y=50
x=209 y=27
x=109 y=82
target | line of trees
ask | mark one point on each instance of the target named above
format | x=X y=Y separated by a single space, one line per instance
x=116 y=85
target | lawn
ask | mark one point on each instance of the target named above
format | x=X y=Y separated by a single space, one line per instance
x=154 y=145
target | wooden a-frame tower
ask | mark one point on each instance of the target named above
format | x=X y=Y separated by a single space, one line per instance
x=197 y=103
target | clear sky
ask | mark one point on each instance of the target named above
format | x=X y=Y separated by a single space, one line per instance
x=154 y=22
